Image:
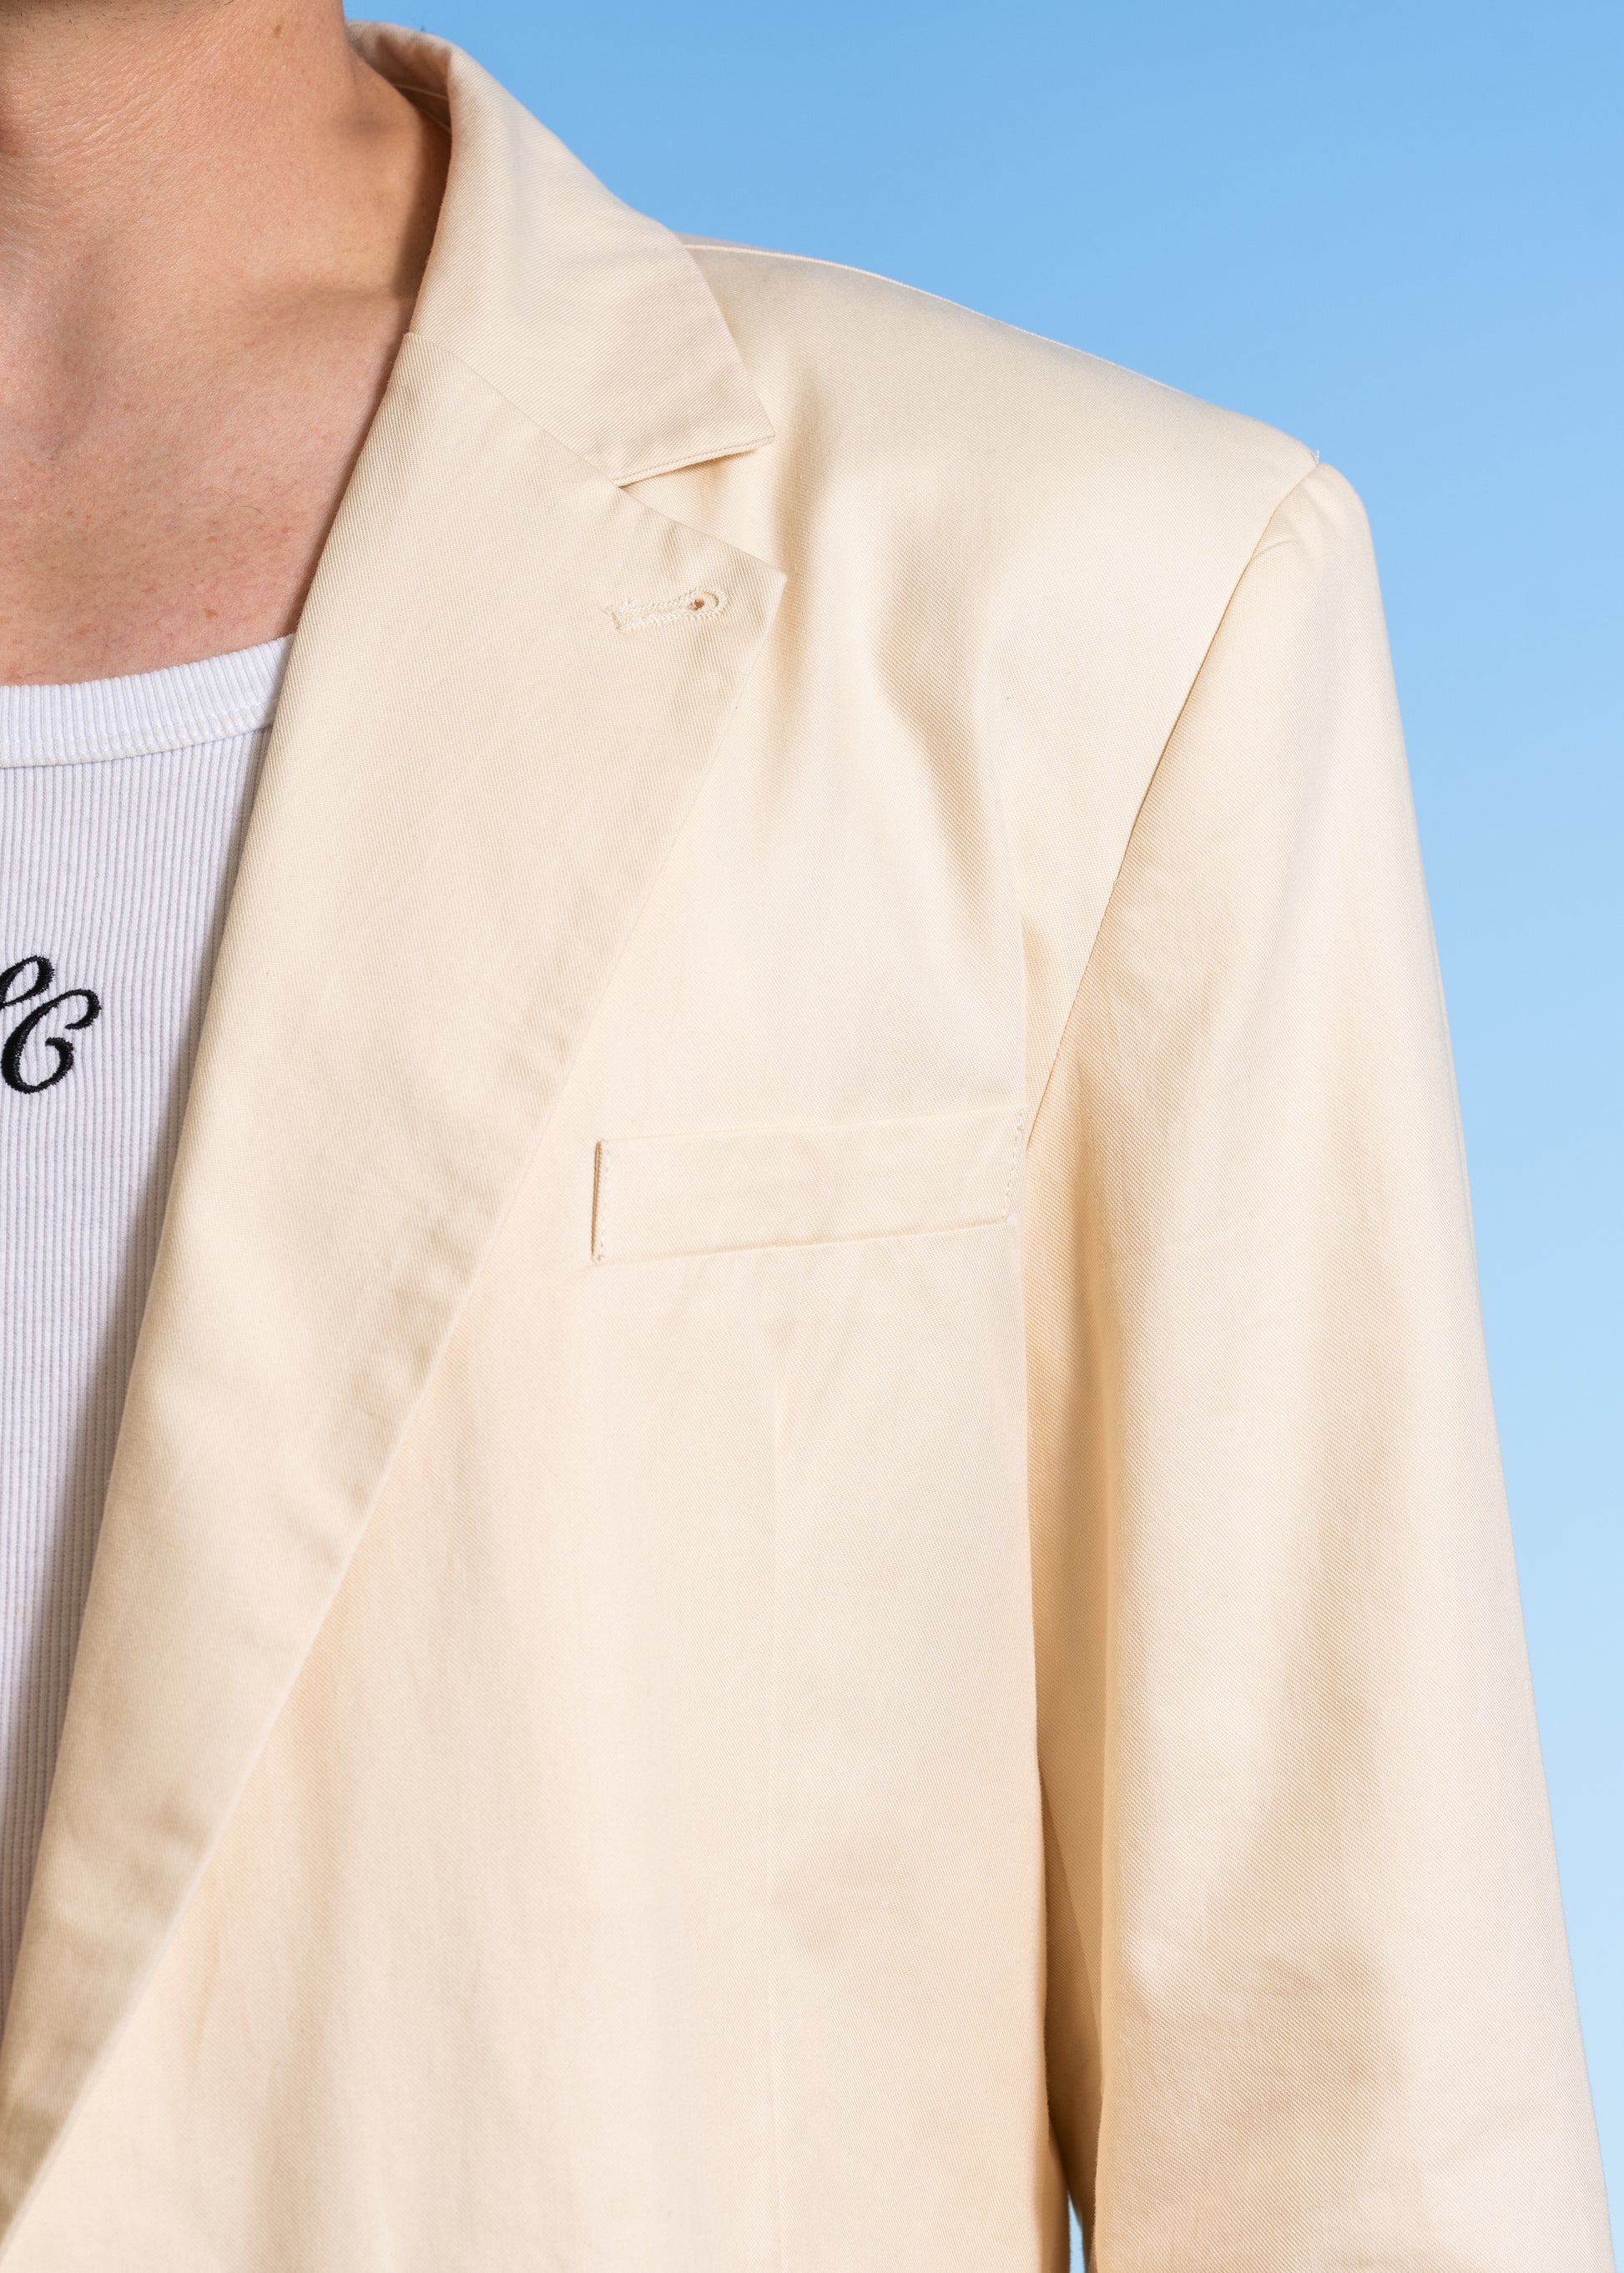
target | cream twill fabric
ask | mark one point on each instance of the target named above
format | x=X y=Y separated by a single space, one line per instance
x=808 y=1535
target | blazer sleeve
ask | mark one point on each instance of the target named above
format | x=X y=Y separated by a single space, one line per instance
x=1308 y=2000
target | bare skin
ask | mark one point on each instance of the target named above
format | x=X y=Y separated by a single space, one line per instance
x=214 y=221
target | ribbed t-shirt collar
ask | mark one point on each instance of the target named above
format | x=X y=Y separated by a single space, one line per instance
x=176 y=709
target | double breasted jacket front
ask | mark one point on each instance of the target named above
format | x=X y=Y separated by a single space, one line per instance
x=808 y=1542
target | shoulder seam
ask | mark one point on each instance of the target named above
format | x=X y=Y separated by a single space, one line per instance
x=923 y=292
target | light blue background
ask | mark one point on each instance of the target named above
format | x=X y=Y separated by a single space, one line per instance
x=1393 y=231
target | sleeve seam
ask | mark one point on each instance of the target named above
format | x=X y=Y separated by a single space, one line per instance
x=1095 y=1989
x=1060 y=1864
x=1262 y=544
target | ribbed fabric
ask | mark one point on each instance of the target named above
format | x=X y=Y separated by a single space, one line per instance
x=122 y=803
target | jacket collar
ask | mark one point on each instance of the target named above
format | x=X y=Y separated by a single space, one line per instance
x=592 y=319
x=473 y=779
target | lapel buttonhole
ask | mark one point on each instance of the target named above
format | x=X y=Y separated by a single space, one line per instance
x=687 y=607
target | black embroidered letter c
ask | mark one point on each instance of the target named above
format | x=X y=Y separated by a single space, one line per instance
x=41 y=971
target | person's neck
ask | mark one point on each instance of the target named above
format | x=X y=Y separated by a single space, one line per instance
x=214 y=221
x=155 y=152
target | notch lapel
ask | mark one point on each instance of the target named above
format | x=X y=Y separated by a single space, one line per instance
x=472 y=782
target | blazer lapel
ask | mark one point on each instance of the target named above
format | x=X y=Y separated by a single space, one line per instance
x=474 y=776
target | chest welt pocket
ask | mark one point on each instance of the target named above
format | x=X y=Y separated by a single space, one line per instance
x=719 y=1190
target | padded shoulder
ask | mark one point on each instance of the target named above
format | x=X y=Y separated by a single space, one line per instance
x=1070 y=532
x=891 y=366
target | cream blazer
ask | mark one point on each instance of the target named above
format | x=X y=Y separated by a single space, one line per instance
x=808 y=1542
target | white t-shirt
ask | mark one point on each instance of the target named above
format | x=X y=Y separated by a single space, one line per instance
x=122 y=805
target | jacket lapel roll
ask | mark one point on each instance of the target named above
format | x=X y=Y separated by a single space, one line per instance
x=506 y=688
